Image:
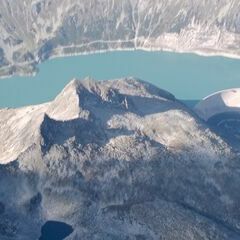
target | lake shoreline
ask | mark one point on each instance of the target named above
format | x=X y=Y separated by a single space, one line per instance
x=60 y=54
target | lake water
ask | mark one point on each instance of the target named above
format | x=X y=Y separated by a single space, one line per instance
x=53 y=230
x=187 y=76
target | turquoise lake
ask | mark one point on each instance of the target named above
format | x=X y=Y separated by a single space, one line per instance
x=187 y=76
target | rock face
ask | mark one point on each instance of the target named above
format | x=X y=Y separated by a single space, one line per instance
x=34 y=30
x=116 y=160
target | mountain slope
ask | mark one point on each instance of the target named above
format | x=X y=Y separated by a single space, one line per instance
x=116 y=160
x=34 y=30
x=222 y=112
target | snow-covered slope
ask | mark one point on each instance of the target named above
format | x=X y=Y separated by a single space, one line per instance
x=220 y=102
x=34 y=30
x=222 y=112
x=116 y=159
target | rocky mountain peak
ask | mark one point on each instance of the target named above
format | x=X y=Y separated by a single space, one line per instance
x=104 y=151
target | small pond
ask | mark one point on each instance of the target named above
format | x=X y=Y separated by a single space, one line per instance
x=53 y=230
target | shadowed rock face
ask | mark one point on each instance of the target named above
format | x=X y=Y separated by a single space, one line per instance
x=35 y=30
x=116 y=160
x=228 y=126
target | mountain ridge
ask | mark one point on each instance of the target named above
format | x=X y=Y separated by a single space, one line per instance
x=84 y=100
